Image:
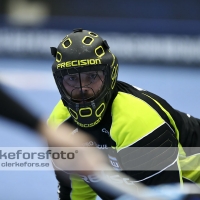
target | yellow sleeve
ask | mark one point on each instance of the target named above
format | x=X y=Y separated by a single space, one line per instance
x=59 y=114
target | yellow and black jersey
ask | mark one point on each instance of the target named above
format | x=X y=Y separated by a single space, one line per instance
x=149 y=141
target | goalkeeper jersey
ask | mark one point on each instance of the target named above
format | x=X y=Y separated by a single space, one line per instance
x=135 y=121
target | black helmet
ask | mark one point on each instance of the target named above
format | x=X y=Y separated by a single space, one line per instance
x=82 y=52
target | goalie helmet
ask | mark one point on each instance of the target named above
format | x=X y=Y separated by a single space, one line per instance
x=85 y=72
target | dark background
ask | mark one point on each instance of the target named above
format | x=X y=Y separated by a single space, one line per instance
x=150 y=16
x=138 y=31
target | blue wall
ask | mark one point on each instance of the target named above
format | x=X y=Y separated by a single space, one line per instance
x=179 y=86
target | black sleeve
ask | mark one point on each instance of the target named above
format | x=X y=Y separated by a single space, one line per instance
x=188 y=126
x=189 y=129
x=13 y=110
x=64 y=186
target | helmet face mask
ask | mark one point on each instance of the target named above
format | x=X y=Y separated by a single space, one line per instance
x=84 y=86
x=85 y=72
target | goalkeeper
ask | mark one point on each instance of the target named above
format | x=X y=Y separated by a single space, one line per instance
x=121 y=116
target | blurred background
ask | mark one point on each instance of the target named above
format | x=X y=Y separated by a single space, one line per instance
x=157 y=44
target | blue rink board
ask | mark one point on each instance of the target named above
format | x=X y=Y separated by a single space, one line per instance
x=179 y=86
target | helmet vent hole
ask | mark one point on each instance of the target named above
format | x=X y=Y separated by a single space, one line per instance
x=58 y=57
x=67 y=43
x=100 y=110
x=85 y=112
x=99 y=51
x=93 y=34
x=87 y=40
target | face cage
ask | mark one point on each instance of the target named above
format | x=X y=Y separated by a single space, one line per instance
x=82 y=87
x=64 y=94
